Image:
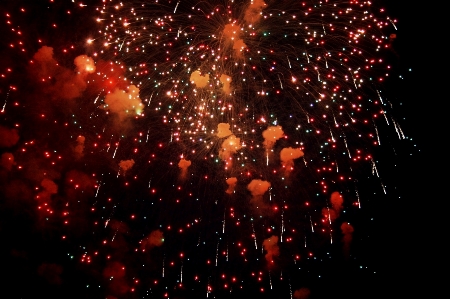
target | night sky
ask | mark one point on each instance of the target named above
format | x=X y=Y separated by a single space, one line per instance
x=143 y=149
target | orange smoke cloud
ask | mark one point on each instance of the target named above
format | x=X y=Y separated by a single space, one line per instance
x=270 y=245
x=124 y=103
x=199 y=80
x=62 y=82
x=154 y=239
x=126 y=165
x=229 y=146
x=253 y=11
x=336 y=202
x=184 y=165
x=271 y=135
x=288 y=155
x=8 y=137
x=223 y=130
x=226 y=81
x=231 y=185
x=231 y=33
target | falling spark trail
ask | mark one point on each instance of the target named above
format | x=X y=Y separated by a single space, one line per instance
x=392 y=22
x=115 y=151
x=223 y=223
x=398 y=130
x=164 y=259
x=98 y=96
x=310 y=221
x=357 y=197
x=290 y=288
x=376 y=133
x=150 y=100
x=217 y=252
x=289 y=62
x=379 y=96
x=175 y=10
x=3 y=108
x=332 y=137
x=270 y=194
x=98 y=188
x=270 y=281
x=282 y=225
x=267 y=158
x=254 y=236
x=181 y=274
x=149 y=183
x=148 y=132
x=385 y=117
x=281 y=83
x=346 y=146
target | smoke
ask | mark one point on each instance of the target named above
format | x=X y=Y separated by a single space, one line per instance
x=257 y=188
x=114 y=274
x=271 y=135
x=49 y=188
x=226 y=81
x=270 y=245
x=8 y=137
x=347 y=231
x=231 y=185
x=184 y=165
x=61 y=82
x=79 y=148
x=231 y=34
x=199 y=80
x=288 y=155
x=330 y=214
x=126 y=165
x=223 y=130
x=229 y=146
x=302 y=293
x=253 y=11
x=154 y=239
x=7 y=161
x=124 y=103
x=336 y=202
x=80 y=180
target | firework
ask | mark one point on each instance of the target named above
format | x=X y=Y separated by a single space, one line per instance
x=216 y=147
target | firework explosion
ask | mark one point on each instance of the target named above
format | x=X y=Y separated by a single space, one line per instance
x=206 y=149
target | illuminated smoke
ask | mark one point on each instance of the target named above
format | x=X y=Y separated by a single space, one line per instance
x=253 y=11
x=61 y=82
x=223 y=130
x=8 y=137
x=229 y=146
x=49 y=188
x=199 y=80
x=226 y=81
x=7 y=161
x=154 y=239
x=124 y=103
x=79 y=148
x=231 y=185
x=302 y=293
x=184 y=165
x=336 y=202
x=270 y=245
x=347 y=231
x=271 y=135
x=126 y=165
x=231 y=33
x=288 y=155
